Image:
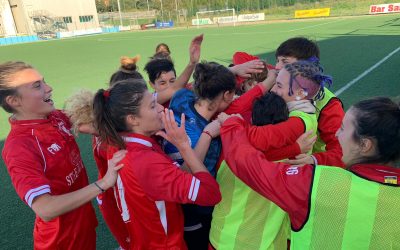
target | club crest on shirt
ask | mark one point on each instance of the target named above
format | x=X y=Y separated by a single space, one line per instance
x=54 y=148
x=292 y=170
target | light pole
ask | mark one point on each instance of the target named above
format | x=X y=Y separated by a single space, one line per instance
x=176 y=9
x=119 y=12
x=162 y=12
x=148 y=7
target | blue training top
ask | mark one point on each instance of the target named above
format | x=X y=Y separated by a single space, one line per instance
x=183 y=102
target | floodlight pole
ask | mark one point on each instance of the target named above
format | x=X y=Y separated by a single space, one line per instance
x=162 y=12
x=148 y=7
x=119 y=12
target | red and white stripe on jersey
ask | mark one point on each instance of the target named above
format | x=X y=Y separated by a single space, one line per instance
x=163 y=215
x=35 y=192
x=121 y=202
x=194 y=189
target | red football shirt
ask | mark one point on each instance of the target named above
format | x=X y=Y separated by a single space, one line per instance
x=42 y=157
x=151 y=188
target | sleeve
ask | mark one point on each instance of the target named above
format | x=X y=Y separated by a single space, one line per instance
x=27 y=172
x=170 y=183
x=245 y=102
x=274 y=136
x=330 y=120
x=287 y=186
x=289 y=151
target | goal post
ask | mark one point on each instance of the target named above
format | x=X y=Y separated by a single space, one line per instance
x=215 y=17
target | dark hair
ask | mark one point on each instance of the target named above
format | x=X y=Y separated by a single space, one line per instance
x=7 y=70
x=299 y=47
x=110 y=108
x=269 y=109
x=127 y=70
x=162 y=45
x=211 y=79
x=156 y=67
x=162 y=55
x=379 y=119
x=312 y=79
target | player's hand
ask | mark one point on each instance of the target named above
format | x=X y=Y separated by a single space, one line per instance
x=269 y=82
x=222 y=117
x=301 y=159
x=173 y=133
x=195 y=49
x=114 y=166
x=246 y=69
x=306 y=141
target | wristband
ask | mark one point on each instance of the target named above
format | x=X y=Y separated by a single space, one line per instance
x=97 y=185
x=208 y=133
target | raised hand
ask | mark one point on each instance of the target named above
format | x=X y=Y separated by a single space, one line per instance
x=195 y=49
x=173 y=133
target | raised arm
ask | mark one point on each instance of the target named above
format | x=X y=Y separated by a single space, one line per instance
x=183 y=79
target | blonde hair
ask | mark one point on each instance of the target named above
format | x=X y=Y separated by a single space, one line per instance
x=79 y=109
x=129 y=63
x=7 y=71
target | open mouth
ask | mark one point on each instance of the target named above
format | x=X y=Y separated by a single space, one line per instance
x=49 y=101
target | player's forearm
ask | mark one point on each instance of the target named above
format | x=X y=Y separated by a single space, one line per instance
x=48 y=207
x=184 y=77
x=191 y=160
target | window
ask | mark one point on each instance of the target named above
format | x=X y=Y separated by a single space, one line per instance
x=67 y=19
x=85 y=19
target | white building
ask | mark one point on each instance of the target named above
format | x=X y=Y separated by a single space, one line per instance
x=46 y=16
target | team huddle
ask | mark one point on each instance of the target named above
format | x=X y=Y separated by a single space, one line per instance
x=247 y=156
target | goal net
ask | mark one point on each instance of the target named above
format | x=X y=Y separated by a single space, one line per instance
x=215 y=17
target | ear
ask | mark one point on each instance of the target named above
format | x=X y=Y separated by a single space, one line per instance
x=132 y=121
x=13 y=101
x=302 y=93
x=228 y=96
x=367 y=147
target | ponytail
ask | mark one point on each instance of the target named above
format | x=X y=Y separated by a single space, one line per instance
x=104 y=123
x=110 y=108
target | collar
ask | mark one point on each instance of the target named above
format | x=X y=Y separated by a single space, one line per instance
x=140 y=139
x=378 y=173
x=14 y=122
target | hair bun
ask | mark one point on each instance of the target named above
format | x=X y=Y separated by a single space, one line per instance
x=129 y=63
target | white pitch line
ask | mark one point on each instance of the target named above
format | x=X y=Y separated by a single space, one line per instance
x=352 y=82
x=312 y=26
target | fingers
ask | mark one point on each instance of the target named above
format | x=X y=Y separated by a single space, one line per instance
x=118 y=167
x=301 y=156
x=118 y=156
x=183 y=120
x=198 y=39
x=162 y=134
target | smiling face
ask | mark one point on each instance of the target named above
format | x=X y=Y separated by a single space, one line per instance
x=33 y=99
x=281 y=87
x=164 y=81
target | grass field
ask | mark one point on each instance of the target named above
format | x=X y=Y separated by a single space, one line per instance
x=363 y=51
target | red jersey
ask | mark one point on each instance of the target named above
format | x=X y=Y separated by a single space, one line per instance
x=151 y=188
x=42 y=157
x=287 y=186
x=329 y=121
x=107 y=202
